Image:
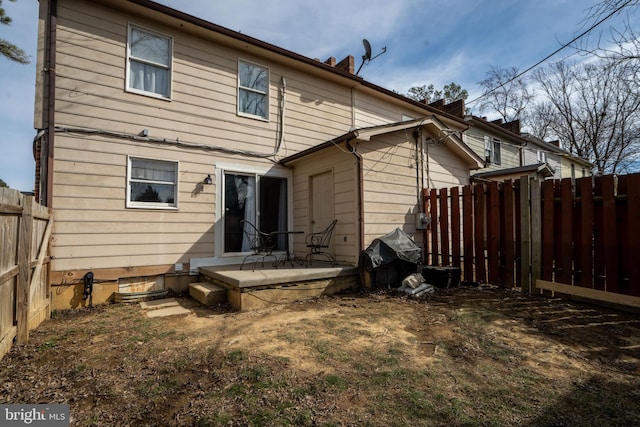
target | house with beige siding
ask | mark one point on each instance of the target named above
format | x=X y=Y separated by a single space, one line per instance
x=509 y=154
x=159 y=132
x=563 y=163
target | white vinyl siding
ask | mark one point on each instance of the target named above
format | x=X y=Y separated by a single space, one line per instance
x=149 y=58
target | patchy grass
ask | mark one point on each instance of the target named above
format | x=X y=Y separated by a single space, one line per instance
x=464 y=357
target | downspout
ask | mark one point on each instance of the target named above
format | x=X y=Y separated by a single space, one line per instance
x=360 y=198
x=51 y=80
x=417 y=135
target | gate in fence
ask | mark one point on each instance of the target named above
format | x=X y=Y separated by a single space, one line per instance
x=25 y=229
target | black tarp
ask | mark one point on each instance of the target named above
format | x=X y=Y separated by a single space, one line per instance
x=389 y=259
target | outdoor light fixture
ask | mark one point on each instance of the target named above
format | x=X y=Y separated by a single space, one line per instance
x=208 y=180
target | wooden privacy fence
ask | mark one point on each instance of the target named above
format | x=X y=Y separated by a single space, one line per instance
x=25 y=229
x=577 y=237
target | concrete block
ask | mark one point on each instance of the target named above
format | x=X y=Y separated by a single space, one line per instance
x=159 y=303
x=207 y=293
x=168 y=311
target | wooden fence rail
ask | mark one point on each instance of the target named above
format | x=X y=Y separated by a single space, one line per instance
x=25 y=230
x=584 y=234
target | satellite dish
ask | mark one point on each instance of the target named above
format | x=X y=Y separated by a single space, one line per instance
x=367 y=54
x=367 y=50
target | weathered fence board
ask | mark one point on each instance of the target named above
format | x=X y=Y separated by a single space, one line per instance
x=493 y=233
x=433 y=205
x=25 y=229
x=582 y=233
x=455 y=225
x=444 y=225
x=509 y=236
x=479 y=209
x=467 y=231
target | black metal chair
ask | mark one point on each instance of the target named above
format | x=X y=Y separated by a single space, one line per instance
x=261 y=244
x=318 y=243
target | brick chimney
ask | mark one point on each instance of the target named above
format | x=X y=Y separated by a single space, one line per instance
x=455 y=108
x=347 y=64
x=439 y=104
x=331 y=61
x=513 y=126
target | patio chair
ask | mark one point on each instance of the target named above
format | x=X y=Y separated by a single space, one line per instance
x=261 y=244
x=318 y=244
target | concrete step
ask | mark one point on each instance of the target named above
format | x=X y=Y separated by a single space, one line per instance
x=159 y=303
x=163 y=307
x=207 y=293
x=168 y=311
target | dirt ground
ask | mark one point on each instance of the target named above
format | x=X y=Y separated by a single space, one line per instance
x=468 y=356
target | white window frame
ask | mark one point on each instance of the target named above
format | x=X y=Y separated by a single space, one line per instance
x=168 y=67
x=542 y=156
x=253 y=90
x=152 y=205
x=492 y=150
x=497 y=151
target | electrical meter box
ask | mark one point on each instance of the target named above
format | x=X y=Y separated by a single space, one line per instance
x=422 y=220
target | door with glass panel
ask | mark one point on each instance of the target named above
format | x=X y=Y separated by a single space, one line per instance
x=259 y=199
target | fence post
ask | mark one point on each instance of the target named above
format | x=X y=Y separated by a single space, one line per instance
x=509 y=234
x=536 y=233
x=525 y=233
x=633 y=243
x=24 y=270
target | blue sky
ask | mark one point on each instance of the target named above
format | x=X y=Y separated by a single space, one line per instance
x=428 y=42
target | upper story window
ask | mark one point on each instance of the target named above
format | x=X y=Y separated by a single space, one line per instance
x=152 y=183
x=542 y=156
x=149 y=57
x=253 y=90
x=492 y=150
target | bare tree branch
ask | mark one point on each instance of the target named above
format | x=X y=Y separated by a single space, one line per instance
x=594 y=109
x=505 y=94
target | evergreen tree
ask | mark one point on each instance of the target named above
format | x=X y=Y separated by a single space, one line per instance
x=8 y=49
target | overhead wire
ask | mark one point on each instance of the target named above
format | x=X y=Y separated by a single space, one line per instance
x=584 y=33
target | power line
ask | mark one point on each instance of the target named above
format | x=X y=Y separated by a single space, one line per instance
x=553 y=53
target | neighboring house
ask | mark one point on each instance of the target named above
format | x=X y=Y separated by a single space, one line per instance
x=563 y=163
x=509 y=154
x=158 y=132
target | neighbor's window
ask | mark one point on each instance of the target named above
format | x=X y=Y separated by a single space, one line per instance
x=542 y=156
x=149 y=63
x=152 y=183
x=492 y=150
x=253 y=90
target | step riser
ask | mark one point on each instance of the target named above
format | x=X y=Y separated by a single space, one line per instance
x=208 y=294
